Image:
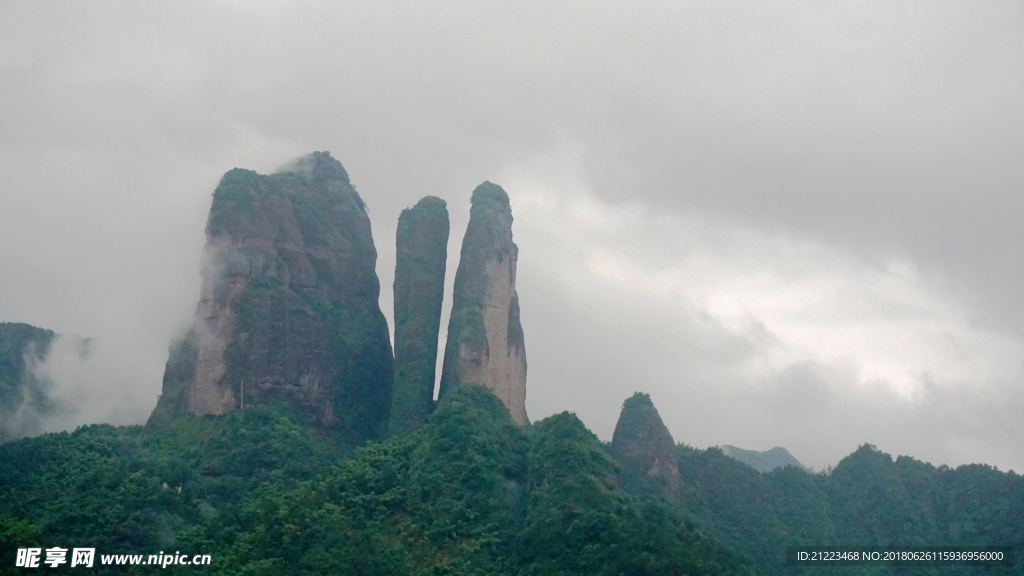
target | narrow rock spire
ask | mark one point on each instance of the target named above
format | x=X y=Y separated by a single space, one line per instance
x=422 y=252
x=485 y=339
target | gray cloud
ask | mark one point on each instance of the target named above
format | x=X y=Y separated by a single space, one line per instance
x=796 y=210
x=762 y=338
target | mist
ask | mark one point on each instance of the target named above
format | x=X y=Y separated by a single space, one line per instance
x=90 y=381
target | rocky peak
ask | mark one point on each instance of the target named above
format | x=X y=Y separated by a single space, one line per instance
x=643 y=445
x=485 y=339
x=288 y=308
x=422 y=253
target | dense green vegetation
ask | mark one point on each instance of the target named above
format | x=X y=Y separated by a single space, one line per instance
x=868 y=499
x=141 y=490
x=471 y=493
x=265 y=492
x=580 y=522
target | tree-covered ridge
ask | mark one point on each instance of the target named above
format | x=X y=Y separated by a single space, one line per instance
x=580 y=521
x=139 y=490
x=264 y=493
x=868 y=499
x=245 y=202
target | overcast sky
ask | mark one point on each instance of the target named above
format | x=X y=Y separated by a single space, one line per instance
x=791 y=223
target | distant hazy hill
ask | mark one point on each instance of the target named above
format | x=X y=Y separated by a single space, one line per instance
x=763 y=461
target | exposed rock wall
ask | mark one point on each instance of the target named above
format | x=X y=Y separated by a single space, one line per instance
x=645 y=448
x=289 y=307
x=485 y=339
x=422 y=253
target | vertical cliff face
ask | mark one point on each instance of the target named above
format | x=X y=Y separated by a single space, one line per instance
x=485 y=339
x=289 y=303
x=644 y=447
x=422 y=253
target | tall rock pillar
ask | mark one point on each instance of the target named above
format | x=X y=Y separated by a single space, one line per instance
x=288 y=309
x=485 y=339
x=422 y=252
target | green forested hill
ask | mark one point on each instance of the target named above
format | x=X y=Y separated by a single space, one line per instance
x=868 y=499
x=262 y=493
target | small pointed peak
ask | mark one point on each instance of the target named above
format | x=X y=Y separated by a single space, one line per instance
x=643 y=445
x=638 y=420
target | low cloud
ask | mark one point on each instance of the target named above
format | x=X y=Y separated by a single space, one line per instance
x=91 y=381
x=756 y=338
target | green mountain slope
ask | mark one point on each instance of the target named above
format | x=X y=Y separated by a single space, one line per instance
x=869 y=499
x=263 y=491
